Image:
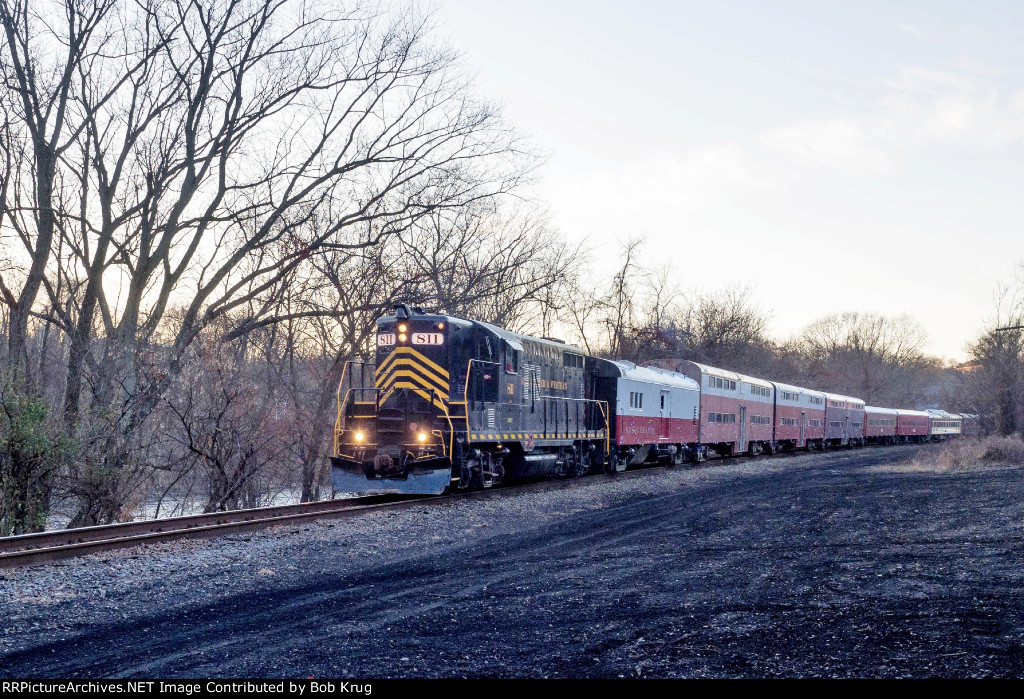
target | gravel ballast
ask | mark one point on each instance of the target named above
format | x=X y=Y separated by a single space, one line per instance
x=836 y=564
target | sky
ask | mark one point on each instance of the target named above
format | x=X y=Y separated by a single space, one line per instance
x=834 y=156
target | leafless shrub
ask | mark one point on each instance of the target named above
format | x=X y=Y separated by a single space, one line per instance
x=955 y=456
x=971 y=453
x=229 y=426
x=1003 y=450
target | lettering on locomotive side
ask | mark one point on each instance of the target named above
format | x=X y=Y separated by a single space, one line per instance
x=557 y=385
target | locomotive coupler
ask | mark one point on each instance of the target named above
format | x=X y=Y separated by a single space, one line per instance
x=382 y=463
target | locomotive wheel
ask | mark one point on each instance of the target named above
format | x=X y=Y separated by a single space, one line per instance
x=616 y=463
x=495 y=473
x=465 y=476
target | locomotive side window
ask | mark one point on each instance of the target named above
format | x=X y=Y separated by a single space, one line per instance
x=511 y=359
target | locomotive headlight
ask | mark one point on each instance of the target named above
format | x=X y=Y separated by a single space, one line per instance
x=422 y=436
x=402 y=328
x=359 y=436
x=401 y=338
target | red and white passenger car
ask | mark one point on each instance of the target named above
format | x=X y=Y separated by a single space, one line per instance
x=655 y=412
x=736 y=411
x=799 y=417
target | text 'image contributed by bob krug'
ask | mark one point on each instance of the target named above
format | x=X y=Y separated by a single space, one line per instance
x=190 y=688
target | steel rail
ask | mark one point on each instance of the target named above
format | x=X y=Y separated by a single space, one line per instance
x=29 y=549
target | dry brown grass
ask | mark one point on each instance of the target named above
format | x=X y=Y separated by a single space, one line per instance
x=977 y=453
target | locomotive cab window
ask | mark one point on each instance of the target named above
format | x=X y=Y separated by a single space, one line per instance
x=488 y=385
x=512 y=359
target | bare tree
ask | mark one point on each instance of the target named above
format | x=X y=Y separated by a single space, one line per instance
x=877 y=358
x=726 y=328
x=620 y=301
x=488 y=262
x=40 y=70
x=993 y=379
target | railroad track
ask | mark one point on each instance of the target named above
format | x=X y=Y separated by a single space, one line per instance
x=46 y=547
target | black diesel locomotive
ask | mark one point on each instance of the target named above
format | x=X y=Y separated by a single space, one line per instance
x=455 y=404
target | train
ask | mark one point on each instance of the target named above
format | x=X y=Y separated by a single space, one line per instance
x=450 y=404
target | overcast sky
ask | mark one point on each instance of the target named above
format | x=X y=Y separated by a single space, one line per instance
x=834 y=155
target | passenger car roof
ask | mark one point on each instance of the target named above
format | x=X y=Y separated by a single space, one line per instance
x=653 y=375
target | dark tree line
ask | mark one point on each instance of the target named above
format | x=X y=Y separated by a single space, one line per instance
x=991 y=383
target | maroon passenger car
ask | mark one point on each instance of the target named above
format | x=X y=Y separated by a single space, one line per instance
x=913 y=426
x=844 y=420
x=879 y=425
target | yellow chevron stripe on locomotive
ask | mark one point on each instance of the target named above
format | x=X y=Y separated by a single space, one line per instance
x=410 y=355
x=407 y=368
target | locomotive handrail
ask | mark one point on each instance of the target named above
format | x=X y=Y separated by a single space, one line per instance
x=465 y=393
x=603 y=404
x=451 y=427
x=337 y=421
x=599 y=403
x=341 y=405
